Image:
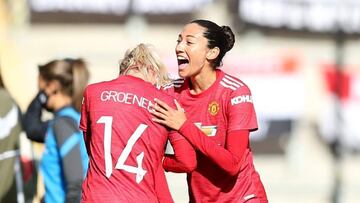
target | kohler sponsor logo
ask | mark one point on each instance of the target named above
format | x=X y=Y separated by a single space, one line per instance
x=241 y=99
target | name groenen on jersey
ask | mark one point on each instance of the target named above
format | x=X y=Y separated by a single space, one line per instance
x=126 y=98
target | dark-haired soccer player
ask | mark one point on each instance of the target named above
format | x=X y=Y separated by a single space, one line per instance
x=219 y=116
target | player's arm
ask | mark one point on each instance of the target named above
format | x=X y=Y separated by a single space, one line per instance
x=84 y=119
x=34 y=127
x=228 y=158
x=183 y=159
x=161 y=187
x=68 y=142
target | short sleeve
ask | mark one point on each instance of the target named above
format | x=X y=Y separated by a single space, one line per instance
x=84 y=111
x=241 y=112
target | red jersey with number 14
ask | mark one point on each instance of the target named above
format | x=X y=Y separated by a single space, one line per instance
x=125 y=146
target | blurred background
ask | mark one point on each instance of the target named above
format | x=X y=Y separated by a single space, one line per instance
x=300 y=59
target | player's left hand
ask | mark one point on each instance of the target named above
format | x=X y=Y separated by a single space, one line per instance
x=164 y=114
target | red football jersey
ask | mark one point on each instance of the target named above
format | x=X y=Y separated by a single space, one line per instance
x=224 y=107
x=125 y=146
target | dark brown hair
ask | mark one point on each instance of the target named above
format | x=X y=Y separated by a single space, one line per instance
x=217 y=36
x=72 y=74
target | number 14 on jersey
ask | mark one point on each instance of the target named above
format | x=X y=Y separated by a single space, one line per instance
x=139 y=171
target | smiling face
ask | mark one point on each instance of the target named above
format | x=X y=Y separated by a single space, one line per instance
x=192 y=51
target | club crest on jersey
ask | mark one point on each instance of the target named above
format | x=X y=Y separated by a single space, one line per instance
x=213 y=108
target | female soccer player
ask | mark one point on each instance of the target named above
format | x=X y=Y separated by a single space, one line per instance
x=64 y=161
x=219 y=116
x=125 y=146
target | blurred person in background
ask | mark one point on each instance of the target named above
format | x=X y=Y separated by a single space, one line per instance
x=64 y=160
x=10 y=129
x=125 y=146
x=217 y=119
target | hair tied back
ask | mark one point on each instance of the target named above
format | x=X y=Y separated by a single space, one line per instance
x=229 y=36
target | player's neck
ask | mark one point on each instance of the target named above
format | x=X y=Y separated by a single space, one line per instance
x=202 y=82
x=138 y=74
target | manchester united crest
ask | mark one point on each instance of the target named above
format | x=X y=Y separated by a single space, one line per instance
x=213 y=108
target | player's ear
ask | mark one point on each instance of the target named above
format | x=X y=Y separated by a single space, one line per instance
x=212 y=53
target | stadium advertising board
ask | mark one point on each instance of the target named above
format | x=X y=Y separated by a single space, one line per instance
x=70 y=11
x=319 y=16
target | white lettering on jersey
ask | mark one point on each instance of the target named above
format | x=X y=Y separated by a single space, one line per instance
x=125 y=97
x=138 y=170
x=241 y=99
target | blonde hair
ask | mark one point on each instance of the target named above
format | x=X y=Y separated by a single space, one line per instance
x=72 y=74
x=143 y=57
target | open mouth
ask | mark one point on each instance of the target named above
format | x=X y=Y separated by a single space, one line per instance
x=182 y=61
